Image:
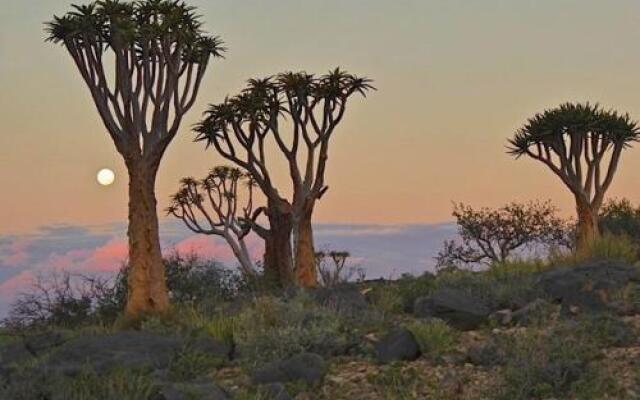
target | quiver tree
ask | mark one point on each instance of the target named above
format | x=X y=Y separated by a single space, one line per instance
x=582 y=145
x=159 y=55
x=215 y=206
x=297 y=113
x=492 y=235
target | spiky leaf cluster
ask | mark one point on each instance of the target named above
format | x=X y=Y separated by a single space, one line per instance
x=296 y=94
x=150 y=26
x=576 y=122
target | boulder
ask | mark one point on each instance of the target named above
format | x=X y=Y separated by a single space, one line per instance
x=200 y=390
x=526 y=314
x=589 y=286
x=277 y=391
x=398 y=345
x=486 y=354
x=344 y=299
x=456 y=307
x=13 y=355
x=134 y=349
x=43 y=342
x=308 y=367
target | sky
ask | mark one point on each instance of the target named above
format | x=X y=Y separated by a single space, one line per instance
x=455 y=79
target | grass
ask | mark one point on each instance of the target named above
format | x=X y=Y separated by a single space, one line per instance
x=435 y=338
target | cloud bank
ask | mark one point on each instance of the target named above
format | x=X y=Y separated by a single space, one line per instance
x=381 y=250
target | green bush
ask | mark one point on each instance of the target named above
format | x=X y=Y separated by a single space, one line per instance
x=189 y=364
x=607 y=247
x=273 y=329
x=557 y=363
x=118 y=383
x=509 y=286
x=395 y=382
x=435 y=338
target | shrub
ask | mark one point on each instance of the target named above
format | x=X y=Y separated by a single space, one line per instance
x=333 y=269
x=435 y=338
x=557 y=363
x=118 y=383
x=190 y=364
x=491 y=236
x=620 y=217
x=510 y=286
x=396 y=382
x=273 y=329
x=606 y=247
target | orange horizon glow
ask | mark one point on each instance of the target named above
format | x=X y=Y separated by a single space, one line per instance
x=454 y=79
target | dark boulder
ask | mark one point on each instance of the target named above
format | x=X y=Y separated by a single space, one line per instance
x=45 y=341
x=200 y=390
x=398 y=345
x=130 y=348
x=277 y=391
x=456 y=307
x=487 y=354
x=308 y=367
x=344 y=299
x=589 y=286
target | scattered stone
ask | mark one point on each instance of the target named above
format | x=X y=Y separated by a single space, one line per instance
x=398 y=345
x=308 y=367
x=459 y=309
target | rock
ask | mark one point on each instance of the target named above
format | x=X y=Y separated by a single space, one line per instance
x=204 y=343
x=130 y=348
x=502 y=317
x=459 y=309
x=398 y=345
x=43 y=342
x=277 y=391
x=526 y=314
x=343 y=299
x=192 y=390
x=12 y=356
x=588 y=286
x=485 y=354
x=308 y=367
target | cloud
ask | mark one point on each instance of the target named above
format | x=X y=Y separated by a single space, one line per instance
x=381 y=250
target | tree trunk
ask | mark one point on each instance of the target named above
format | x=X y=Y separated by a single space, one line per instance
x=278 y=261
x=147 y=283
x=587 y=229
x=305 y=260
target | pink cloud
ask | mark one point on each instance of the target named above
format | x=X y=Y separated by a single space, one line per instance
x=16 y=252
x=14 y=285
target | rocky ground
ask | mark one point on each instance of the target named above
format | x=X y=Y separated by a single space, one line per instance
x=562 y=333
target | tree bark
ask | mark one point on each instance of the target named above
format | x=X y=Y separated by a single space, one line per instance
x=278 y=260
x=147 y=292
x=305 y=261
x=587 y=229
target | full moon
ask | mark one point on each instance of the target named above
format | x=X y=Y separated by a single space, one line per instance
x=105 y=177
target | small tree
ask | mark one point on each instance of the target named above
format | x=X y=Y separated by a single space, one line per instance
x=333 y=269
x=620 y=218
x=213 y=206
x=492 y=236
x=582 y=145
x=298 y=114
x=160 y=55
